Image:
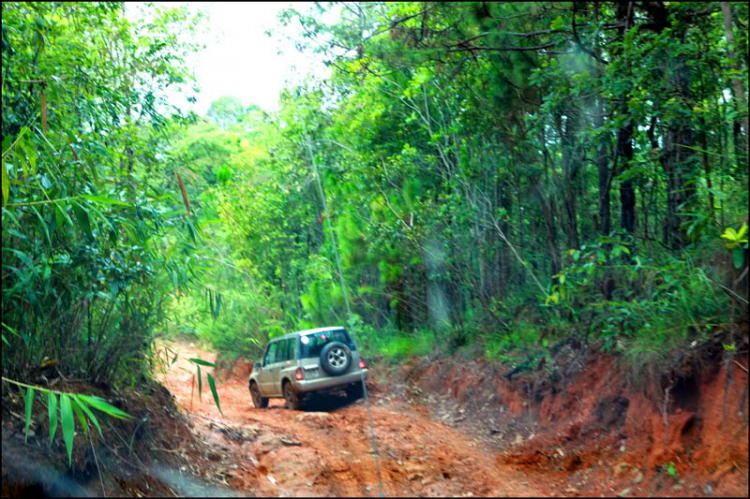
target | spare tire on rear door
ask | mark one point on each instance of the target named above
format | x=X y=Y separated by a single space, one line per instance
x=335 y=358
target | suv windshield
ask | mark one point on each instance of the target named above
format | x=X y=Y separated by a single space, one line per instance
x=312 y=344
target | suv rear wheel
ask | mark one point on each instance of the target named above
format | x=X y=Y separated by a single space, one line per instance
x=258 y=400
x=293 y=401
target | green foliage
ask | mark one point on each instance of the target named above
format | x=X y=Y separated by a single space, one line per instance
x=671 y=470
x=396 y=346
x=501 y=344
x=90 y=230
x=70 y=403
x=212 y=385
x=737 y=242
x=655 y=307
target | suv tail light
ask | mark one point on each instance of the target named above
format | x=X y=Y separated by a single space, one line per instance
x=362 y=364
x=298 y=375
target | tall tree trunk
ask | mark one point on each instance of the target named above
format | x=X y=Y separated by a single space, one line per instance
x=677 y=158
x=566 y=186
x=521 y=275
x=602 y=163
x=676 y=162
x=738 y=86
x=549 y=210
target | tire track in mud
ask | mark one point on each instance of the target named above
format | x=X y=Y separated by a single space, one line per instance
x=325 y=450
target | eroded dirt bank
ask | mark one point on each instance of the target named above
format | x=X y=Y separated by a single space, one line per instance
x=325 y=450
x=592 y=431
x=451 y=427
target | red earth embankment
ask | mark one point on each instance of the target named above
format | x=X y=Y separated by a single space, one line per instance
x=594 y=431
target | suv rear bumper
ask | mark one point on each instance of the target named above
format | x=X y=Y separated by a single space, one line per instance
x=306 y=386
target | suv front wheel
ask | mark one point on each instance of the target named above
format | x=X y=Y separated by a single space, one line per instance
x=293 y=401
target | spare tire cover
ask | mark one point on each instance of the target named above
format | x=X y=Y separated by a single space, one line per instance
x=335 y=358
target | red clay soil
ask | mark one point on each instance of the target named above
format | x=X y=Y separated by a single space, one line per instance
x=456 y=428
x=325 y=450
x=597 y=435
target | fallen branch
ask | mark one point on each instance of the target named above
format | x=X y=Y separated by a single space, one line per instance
x=735 y=465
x=741 y=366
x=96 y=461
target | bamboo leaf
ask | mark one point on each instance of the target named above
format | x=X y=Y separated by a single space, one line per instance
x=103 y=200
x=212 y=385
x=29 y=401
x=83 y=218
x=42 y=223
x=8 y=146
x=44 y=112
x=68 y=425
x=79 y=413
x=61 y=215
x=7 y=141
x=200 y=383
x=5 y=183
x=202 y=362
x=102 y=405
x=52 y=409
x=31 y=156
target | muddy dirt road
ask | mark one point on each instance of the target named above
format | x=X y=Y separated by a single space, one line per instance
x=325 y=450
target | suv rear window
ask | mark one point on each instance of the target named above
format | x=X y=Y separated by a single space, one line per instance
x=312 y=344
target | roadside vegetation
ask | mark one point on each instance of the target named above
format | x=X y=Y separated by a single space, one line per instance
x=499 y=177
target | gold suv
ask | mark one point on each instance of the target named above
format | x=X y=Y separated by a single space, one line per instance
x=306 y=362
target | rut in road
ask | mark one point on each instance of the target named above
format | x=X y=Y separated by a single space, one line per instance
x=325 y=449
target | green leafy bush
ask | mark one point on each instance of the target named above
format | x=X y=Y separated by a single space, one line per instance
x=70 y=404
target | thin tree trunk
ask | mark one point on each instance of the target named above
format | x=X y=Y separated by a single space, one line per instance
x=627 y=189
x=625 y=139
x=707 y=169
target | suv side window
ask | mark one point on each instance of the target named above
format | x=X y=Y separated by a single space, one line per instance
x=270 y=357
x=283 y=352
x=289 y=348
